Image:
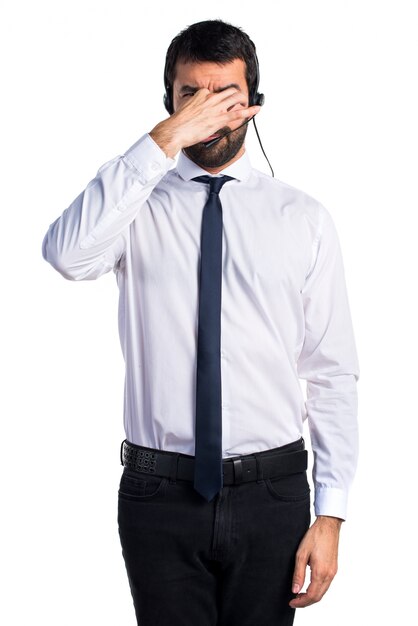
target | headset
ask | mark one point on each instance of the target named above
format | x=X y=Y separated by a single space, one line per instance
x=254 y=97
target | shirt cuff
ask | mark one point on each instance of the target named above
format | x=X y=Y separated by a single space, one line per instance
x=330 y=501
x=147 y=158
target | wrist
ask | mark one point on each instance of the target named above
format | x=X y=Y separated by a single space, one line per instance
x=165 y=137
x=328 y=520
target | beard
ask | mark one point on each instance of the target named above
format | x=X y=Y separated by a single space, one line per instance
x=221 y=152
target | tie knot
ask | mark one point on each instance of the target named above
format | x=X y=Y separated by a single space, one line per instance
x=216 y=182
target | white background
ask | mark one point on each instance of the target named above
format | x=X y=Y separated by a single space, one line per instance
x=81 y=82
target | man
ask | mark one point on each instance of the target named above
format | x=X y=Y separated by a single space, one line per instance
x=231 y=289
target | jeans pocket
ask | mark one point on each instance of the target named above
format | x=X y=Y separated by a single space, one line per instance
x=140 y=486
x=290 y=488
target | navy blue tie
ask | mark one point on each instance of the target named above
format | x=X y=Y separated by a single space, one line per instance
x=208 y=431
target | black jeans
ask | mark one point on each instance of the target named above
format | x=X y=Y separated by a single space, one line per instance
x=228 y=562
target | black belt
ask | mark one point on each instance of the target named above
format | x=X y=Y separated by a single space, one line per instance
x=289 y=459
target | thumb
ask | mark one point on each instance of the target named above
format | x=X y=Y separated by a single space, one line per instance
x=299 y=572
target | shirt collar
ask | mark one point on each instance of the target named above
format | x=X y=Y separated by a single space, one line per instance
x=240 y=169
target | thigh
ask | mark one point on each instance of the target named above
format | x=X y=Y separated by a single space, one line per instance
x=271 y=518
x=165 y=531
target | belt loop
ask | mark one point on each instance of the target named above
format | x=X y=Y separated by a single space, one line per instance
x=173 y=467
x=121 y=451
x=238 y=473
x=259 y=469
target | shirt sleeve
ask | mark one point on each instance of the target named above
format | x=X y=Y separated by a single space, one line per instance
x=328 y=362
x=88 y=239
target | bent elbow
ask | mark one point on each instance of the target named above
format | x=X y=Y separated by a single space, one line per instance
x=71 y=268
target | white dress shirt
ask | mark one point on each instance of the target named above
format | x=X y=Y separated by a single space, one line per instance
x=284 y=316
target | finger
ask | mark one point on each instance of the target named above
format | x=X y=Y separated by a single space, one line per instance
x=247 y=112
x=214 y=98
x=228 y=98
x=239 y=116
x=211 y=105
x=314 y=593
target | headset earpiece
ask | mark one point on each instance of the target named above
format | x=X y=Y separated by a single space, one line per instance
x=256 y=98
x=167 y=100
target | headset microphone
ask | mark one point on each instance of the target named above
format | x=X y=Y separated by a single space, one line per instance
x=212 y=142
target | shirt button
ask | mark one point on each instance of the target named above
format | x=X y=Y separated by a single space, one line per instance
x=155 y=166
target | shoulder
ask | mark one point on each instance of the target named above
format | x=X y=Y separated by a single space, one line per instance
x=291 y=201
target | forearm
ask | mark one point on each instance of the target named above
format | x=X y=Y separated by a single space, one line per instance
x=332 y=418
x=88 y=237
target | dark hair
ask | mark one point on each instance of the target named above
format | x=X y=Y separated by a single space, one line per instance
x=215 y=41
